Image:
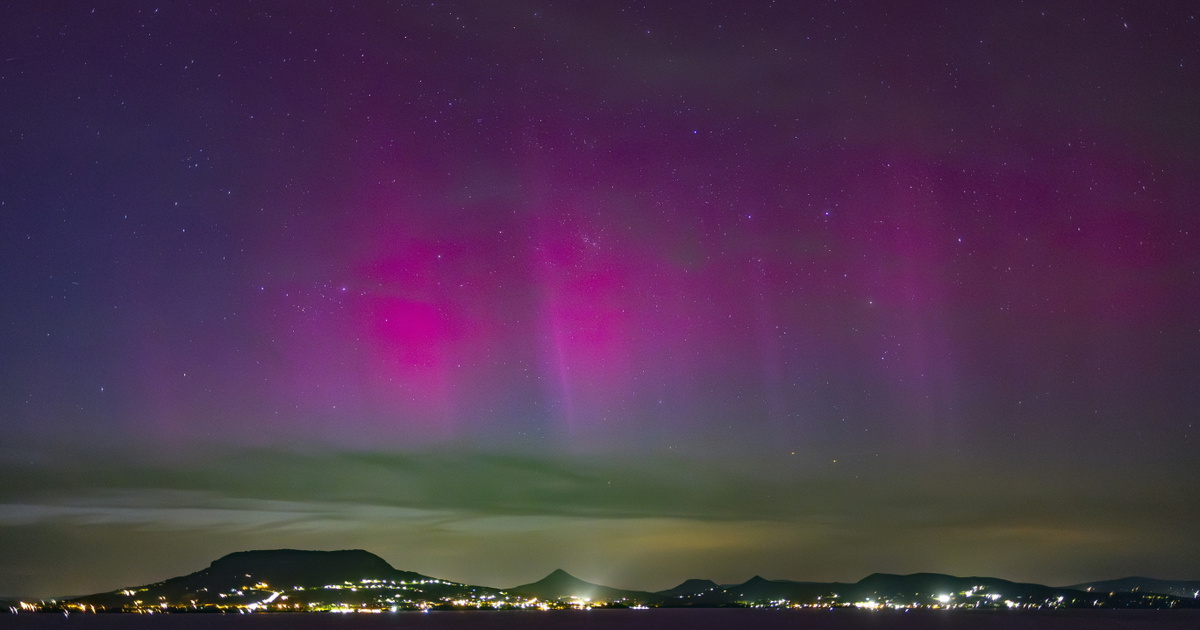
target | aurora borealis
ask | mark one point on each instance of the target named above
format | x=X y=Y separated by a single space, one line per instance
x=646 y=291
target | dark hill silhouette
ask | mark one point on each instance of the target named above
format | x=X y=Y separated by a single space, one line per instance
x=562 y=585
x=759 y=589
x=691 y=587
x=924 y=586
x=1188 y=589
x=291 y=567
x=250 y=576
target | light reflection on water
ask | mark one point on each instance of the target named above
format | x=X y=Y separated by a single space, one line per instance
x=698 y=619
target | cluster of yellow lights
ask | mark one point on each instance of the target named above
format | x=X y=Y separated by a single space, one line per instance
x=277 y=600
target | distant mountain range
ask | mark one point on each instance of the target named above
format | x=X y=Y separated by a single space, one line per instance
x=292 y=580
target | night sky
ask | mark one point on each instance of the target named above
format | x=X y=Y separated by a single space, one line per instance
x=647 y=291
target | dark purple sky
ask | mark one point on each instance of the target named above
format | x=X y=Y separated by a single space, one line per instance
x=643 y=290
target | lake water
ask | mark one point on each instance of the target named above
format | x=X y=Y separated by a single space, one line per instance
x=654 y=619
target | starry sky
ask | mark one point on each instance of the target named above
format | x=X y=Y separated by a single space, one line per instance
x=647 y=291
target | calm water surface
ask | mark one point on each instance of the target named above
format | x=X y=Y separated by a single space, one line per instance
x=633 y=620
